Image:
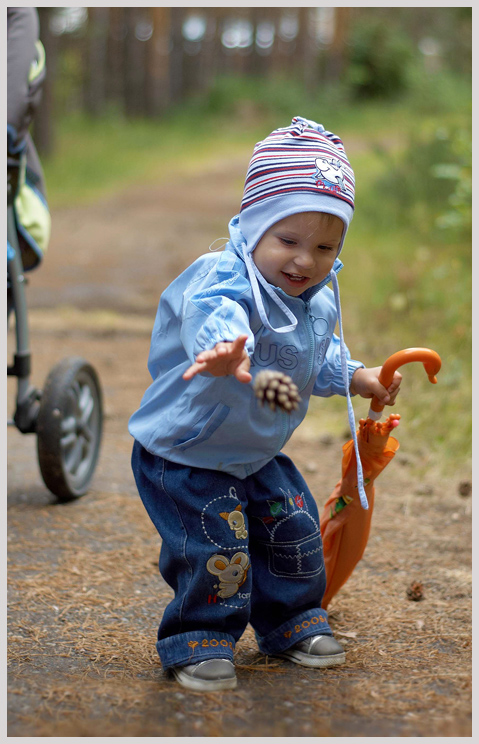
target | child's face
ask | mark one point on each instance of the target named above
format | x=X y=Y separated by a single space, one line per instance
x=298 y=252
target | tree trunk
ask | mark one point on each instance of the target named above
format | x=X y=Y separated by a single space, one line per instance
x=275 y=59
x=157 y=62
x=336 y=55
x=224 y=59
x=134 y=65
x=96 y=62
x=262 y=61
x=306 y=50
x=254 y=63
x=209 y=50
x=115 y=89
x=176 y=54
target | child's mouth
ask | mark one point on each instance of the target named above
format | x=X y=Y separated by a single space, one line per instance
x=295 y=280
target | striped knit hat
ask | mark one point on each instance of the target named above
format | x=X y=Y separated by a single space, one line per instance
x=300 y=168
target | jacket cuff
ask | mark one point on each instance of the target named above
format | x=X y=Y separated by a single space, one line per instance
x=352 y=367
x=204 y=342
x=337 y=385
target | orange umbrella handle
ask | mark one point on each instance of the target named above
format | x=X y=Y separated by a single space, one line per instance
x=430 y=359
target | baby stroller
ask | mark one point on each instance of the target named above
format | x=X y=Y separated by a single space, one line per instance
x=67 y=415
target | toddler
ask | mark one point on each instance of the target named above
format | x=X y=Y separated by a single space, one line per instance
x=240 y=532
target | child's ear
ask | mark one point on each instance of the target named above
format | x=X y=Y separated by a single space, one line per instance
x=241 y=559
x=217 y=564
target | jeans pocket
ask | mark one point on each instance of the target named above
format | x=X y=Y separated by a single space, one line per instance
x=300 y=559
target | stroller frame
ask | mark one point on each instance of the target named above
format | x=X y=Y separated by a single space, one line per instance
x=67 y=415
x=28 y=396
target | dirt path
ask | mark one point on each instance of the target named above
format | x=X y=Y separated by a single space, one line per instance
x=85 y=596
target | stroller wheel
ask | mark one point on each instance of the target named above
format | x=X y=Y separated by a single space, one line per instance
x=69 y=428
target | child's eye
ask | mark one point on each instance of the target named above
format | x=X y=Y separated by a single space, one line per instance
x=287 y=241
x=326 y=247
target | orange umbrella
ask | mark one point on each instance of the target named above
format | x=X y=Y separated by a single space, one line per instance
x=345 y=523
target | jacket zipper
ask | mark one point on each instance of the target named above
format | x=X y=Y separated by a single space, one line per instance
x=286 y=416
x=285 y=426
x=307 y=311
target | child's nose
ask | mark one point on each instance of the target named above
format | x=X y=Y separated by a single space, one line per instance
x=305 y=259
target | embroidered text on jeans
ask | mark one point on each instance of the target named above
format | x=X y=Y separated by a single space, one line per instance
x=305 y=624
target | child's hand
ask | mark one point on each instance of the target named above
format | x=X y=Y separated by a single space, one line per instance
x=227 y=358
x=365 y=383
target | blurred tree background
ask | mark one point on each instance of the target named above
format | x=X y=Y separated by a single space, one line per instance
x=142 y=61
x=130 y=89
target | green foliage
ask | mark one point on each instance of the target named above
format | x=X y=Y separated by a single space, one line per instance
x=430 y=179
x=458 y=215
x=434 y=94
x=460 y=37
x=412 y=240
x=69 y=80
x=267 y=95
x=380 y=60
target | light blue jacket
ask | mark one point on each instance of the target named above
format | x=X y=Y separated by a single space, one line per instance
x=216 y=422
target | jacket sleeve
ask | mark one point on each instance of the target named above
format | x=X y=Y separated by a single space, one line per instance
x=216 y=312
x=330 y=379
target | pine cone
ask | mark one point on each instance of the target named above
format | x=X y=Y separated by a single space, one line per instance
x=277 y=390
x=415 y=591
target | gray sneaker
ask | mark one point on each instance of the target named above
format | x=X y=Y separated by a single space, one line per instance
x=316 y=651
x=207 y=676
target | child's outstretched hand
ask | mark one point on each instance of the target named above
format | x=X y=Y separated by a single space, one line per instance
x=365 y=383
x=226 y=358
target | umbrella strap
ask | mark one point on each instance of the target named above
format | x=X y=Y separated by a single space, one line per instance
x=344 y=370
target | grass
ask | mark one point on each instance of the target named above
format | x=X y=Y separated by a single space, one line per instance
x=94 y=157
x=99 y=157
x=405 y=282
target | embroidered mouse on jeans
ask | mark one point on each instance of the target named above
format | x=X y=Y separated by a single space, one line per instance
x=231 y=573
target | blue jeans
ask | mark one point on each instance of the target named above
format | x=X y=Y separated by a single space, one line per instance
x=234 y=551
